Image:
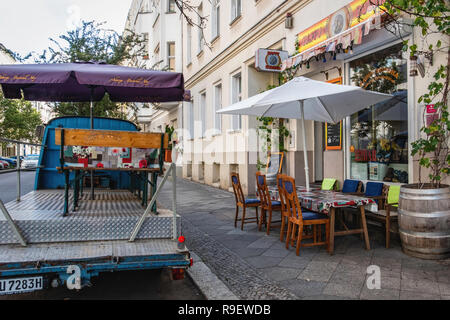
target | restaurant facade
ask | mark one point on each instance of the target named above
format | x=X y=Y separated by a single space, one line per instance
x=344 y=42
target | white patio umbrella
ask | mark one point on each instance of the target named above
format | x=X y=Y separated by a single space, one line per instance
x=306 y=99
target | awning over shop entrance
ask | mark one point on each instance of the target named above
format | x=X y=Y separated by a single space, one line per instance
x=337 y=32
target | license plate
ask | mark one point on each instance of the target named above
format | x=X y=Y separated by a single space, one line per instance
x=20 y=285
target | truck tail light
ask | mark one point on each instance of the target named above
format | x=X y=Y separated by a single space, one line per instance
x=178 y=273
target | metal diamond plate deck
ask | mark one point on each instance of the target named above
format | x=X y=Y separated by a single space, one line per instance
x=111 y=216
x=85 y=250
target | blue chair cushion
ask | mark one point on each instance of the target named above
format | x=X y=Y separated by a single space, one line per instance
x=309 y=215
x=276 y=203
x=251 y=201
x=260 y=180
x=350 y=186
x=288 y=187
x=374 y=189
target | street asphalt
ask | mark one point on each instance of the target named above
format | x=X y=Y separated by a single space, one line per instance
x=8 y=184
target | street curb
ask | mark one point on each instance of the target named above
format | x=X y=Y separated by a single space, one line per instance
x=209 y=284
x=7 y=170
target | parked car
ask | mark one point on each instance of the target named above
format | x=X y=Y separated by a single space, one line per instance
x=4 y=164
x=30 y=161
x=11 y=162
x=15 y=158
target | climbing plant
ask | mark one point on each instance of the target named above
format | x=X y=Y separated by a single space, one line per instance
x=272 y=131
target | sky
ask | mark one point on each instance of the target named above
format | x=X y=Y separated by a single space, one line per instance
x=27 y=25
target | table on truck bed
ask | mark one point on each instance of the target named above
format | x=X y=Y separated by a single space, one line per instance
x=140 y=174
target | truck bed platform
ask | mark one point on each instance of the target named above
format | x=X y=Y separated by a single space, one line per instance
x=82 y=251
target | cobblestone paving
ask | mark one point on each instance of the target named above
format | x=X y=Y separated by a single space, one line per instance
x=257 y=266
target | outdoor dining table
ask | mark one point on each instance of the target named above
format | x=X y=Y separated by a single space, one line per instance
x=327 y=202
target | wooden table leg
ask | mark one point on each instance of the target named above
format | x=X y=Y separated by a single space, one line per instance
x=75 y=191
x=364 y=225
x=145 y=188
x=66 y=192
x=332 y=220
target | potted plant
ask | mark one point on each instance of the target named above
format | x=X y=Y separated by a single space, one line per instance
x=424 y=207
x=168 y=152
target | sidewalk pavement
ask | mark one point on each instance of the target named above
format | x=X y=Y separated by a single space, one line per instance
x=256 y=266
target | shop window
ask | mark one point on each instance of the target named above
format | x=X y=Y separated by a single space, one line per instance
x=379 y=133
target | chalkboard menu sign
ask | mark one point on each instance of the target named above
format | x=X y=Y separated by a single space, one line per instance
x=333 y=136
x=274 y=163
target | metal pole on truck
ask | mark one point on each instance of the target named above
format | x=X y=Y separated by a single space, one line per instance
x=174 y=199
x=91 y=112
x=18 y=171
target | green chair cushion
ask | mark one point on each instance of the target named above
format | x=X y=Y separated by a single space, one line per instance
x=328 y=184
x=393 y=194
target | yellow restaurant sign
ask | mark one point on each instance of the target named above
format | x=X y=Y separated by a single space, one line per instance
x=349 y=16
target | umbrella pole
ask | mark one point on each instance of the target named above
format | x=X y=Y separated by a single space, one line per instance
x=305 y=152
x=91 y=111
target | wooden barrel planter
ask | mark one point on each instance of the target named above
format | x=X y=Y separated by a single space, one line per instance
x=424 y=221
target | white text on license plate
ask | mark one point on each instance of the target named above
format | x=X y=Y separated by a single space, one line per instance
x=18 y=285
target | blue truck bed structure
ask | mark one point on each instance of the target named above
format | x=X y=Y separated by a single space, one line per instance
x=39 y=247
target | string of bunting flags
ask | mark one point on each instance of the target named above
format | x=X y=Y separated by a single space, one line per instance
x=342 y=42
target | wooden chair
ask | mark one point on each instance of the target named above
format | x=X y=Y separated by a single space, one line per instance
x=350 y=187
x=242 y=202
x=267 y=204
x=303 y=218
x=284 y=212
x=376 y=191
x=386 y=214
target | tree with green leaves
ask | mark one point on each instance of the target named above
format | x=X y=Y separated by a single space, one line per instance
x=433 y=20
x=18 y=120
x=92 y=42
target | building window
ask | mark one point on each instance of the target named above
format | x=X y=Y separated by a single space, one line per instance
x=171 y=55
x=156 y=56
x=215 y=19
x=379 y=133
x=235 y=9
x=202 y=114
x=236 y=96
x=189 y=44
x=145 y=49
x=171 y=5
x=190 y=117
x=199 y=29
x=217 y=106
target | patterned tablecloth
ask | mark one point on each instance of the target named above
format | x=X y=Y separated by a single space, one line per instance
x=322 y=201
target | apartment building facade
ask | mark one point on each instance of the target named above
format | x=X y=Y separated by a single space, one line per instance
x=158 y=22
x=342 y=41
